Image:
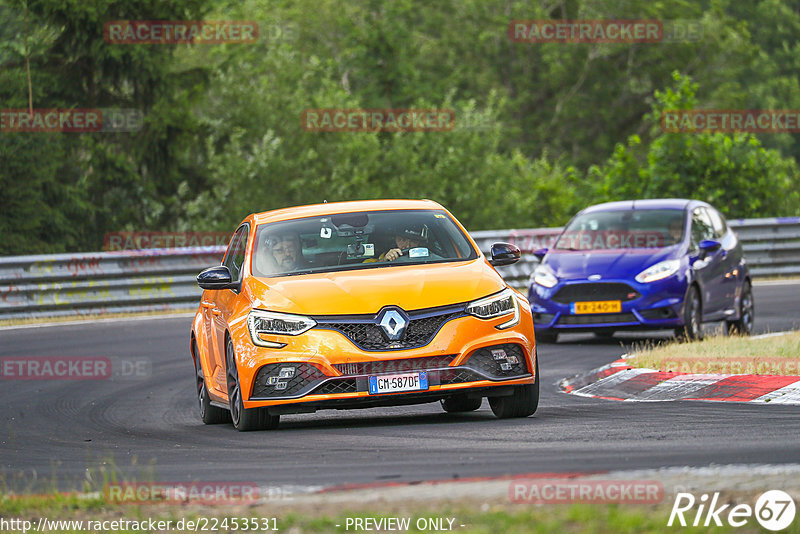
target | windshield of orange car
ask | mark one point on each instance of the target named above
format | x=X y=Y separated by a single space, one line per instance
x=623 y=229
x=361 y=240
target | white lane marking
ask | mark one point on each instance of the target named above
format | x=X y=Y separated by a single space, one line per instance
x=676 y=388
x=789 y=394
x=773 y=334
x=599 y=387
x=87 y=322
x=564 y=383
x=792 y=282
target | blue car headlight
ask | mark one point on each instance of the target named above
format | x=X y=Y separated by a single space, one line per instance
x=659 y=271
x=544 y=276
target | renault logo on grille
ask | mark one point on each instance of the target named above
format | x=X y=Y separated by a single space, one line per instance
x=393 y=322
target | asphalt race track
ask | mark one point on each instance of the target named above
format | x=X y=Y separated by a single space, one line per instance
x=148 y=428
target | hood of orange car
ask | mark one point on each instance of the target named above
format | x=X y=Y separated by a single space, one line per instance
x=367 y=291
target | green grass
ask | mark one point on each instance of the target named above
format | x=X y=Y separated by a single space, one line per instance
x=723 y=354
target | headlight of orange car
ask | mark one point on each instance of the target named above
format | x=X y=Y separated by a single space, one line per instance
x=498 y=305
x=285 y=324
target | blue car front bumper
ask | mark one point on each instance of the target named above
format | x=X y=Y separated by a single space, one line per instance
x=653 y=305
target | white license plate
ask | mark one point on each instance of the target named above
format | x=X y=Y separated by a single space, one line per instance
x=417 y=381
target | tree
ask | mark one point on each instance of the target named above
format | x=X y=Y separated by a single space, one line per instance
x=733 y=172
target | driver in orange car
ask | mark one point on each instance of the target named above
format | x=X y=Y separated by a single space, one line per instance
x=404 y=239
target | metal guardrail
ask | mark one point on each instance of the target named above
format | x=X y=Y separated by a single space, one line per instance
x=164 y=279
x=771 y=247
x=102 y=282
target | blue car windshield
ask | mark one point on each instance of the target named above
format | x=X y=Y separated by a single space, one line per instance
x=359 y=240
x=623 y=229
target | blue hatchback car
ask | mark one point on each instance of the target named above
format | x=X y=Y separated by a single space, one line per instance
x=642 y=264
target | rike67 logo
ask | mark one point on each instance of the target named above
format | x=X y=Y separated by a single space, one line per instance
x=774 y=510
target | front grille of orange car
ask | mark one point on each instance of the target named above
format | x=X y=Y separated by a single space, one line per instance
x=391 y=366
x=342 y=385
x=296 y=379
x=304 y=377
x=365 y=333
x=458 y=375
x=499 y=361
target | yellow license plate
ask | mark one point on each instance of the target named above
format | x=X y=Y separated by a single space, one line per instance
x=599 y=306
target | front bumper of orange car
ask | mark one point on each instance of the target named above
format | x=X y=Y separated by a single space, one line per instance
x=328 y=366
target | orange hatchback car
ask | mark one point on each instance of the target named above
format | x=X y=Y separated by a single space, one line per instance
x=358 y=305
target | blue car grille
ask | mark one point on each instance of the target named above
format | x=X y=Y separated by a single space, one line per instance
x=598 y=318
x=595 y=291
x=658 y=313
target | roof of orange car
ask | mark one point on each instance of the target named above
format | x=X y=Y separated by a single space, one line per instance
x=315 y=210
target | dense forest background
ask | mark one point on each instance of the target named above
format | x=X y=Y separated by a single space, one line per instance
x=542 y=129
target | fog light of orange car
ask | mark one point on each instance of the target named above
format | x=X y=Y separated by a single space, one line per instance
x=499 y=354
x=280 y=385
x=286 y=372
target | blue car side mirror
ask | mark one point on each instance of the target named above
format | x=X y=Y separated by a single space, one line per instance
x=709 y=245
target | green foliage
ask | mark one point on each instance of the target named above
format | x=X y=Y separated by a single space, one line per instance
x=542 y=129
x=733 y=172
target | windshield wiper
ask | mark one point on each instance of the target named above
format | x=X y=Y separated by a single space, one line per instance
x=305 y=271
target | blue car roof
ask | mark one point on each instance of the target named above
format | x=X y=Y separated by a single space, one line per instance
x=649 y=204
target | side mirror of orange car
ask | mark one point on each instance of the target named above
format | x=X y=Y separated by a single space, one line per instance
x=504 y=254
x=218 y=277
